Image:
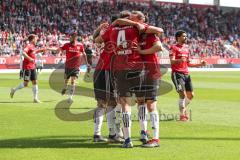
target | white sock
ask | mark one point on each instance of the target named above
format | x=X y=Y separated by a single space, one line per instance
x=187 y=101
x=35 y=91
x=111 y=120
x=118 y=119
x=126 y=118
x=182 y=105
x=154 y=118
x=142 y=117
x=71 y=91
x=98 y=120
x=20 y=86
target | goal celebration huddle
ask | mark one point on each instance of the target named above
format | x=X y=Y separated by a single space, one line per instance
x=128 y=66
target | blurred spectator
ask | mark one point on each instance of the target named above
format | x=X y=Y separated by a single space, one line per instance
x=209 y=28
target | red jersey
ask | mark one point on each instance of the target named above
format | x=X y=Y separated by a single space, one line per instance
x=180 y=51
x=151 y=61
x=121 y=42
x=106 y=54
x=29 y=50
x=73 y=55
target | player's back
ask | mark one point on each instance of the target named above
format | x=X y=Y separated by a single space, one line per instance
x=124 y=38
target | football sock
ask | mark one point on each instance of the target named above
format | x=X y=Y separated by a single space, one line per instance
x=111 y=120
x=154 y=118
x=35 y=91
x=71 y=91
x=126 y=118
x=98 y=120
x=20 y=86
x=142 y=117
x=118 y=119
x=182 y=106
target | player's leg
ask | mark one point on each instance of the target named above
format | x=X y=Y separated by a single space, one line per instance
x=179 y=82
x=118 y=120
x=37 y=69
x=189 y=91
x=100 y=96
x=41 y=67
x=98 y=120
x=182 y=102
x=154 y=119
x=72 y=88
x=152 y=86
x=127 y=122
x=123 y=86
x=110 y=103
x=142 y=117
x=114 y=133
x=35 y=89
x=26 y=78
x=66 y=80
x=21 y=74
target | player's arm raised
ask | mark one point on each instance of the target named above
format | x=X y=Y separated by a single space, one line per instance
x=202 y=63
x=157 y=46
x=127 y=22
x=154 y=30
x=98 y=39
x=97 y=31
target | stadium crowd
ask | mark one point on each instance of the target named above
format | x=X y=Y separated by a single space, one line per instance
x=209 y=29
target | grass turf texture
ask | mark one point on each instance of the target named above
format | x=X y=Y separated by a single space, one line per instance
x=32 y=131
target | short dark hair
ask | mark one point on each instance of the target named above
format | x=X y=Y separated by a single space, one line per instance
x=179 y=33
x=74 y=34
x=31 y=37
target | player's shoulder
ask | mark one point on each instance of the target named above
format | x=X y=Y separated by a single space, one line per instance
x=79 y=44
x=29 y=47
x=174 y=47
x=66 y=44
x=152 y=36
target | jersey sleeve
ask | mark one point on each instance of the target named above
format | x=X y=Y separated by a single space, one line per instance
x=106 y=35
x=172 y=51
x=64 y=47
x=82 y=48
x=153 y=38
x=26 y=49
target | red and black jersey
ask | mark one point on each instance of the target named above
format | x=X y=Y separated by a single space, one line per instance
x=73 y=55
x=122 y=40
x=180 y=51
x=151 y=61
x=29 y=50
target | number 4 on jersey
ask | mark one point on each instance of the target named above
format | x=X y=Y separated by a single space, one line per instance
x=121 y=39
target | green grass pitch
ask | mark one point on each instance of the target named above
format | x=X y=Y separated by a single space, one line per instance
x=33 y=132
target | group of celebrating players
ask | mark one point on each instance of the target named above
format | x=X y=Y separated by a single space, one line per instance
x=128 y=64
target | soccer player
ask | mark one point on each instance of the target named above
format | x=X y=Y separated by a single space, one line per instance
x=180 y=61
x=150 y=44
x=29 y=68
x=104 y=92
x=126 y=67
x=39 y=62
x=74 y=50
